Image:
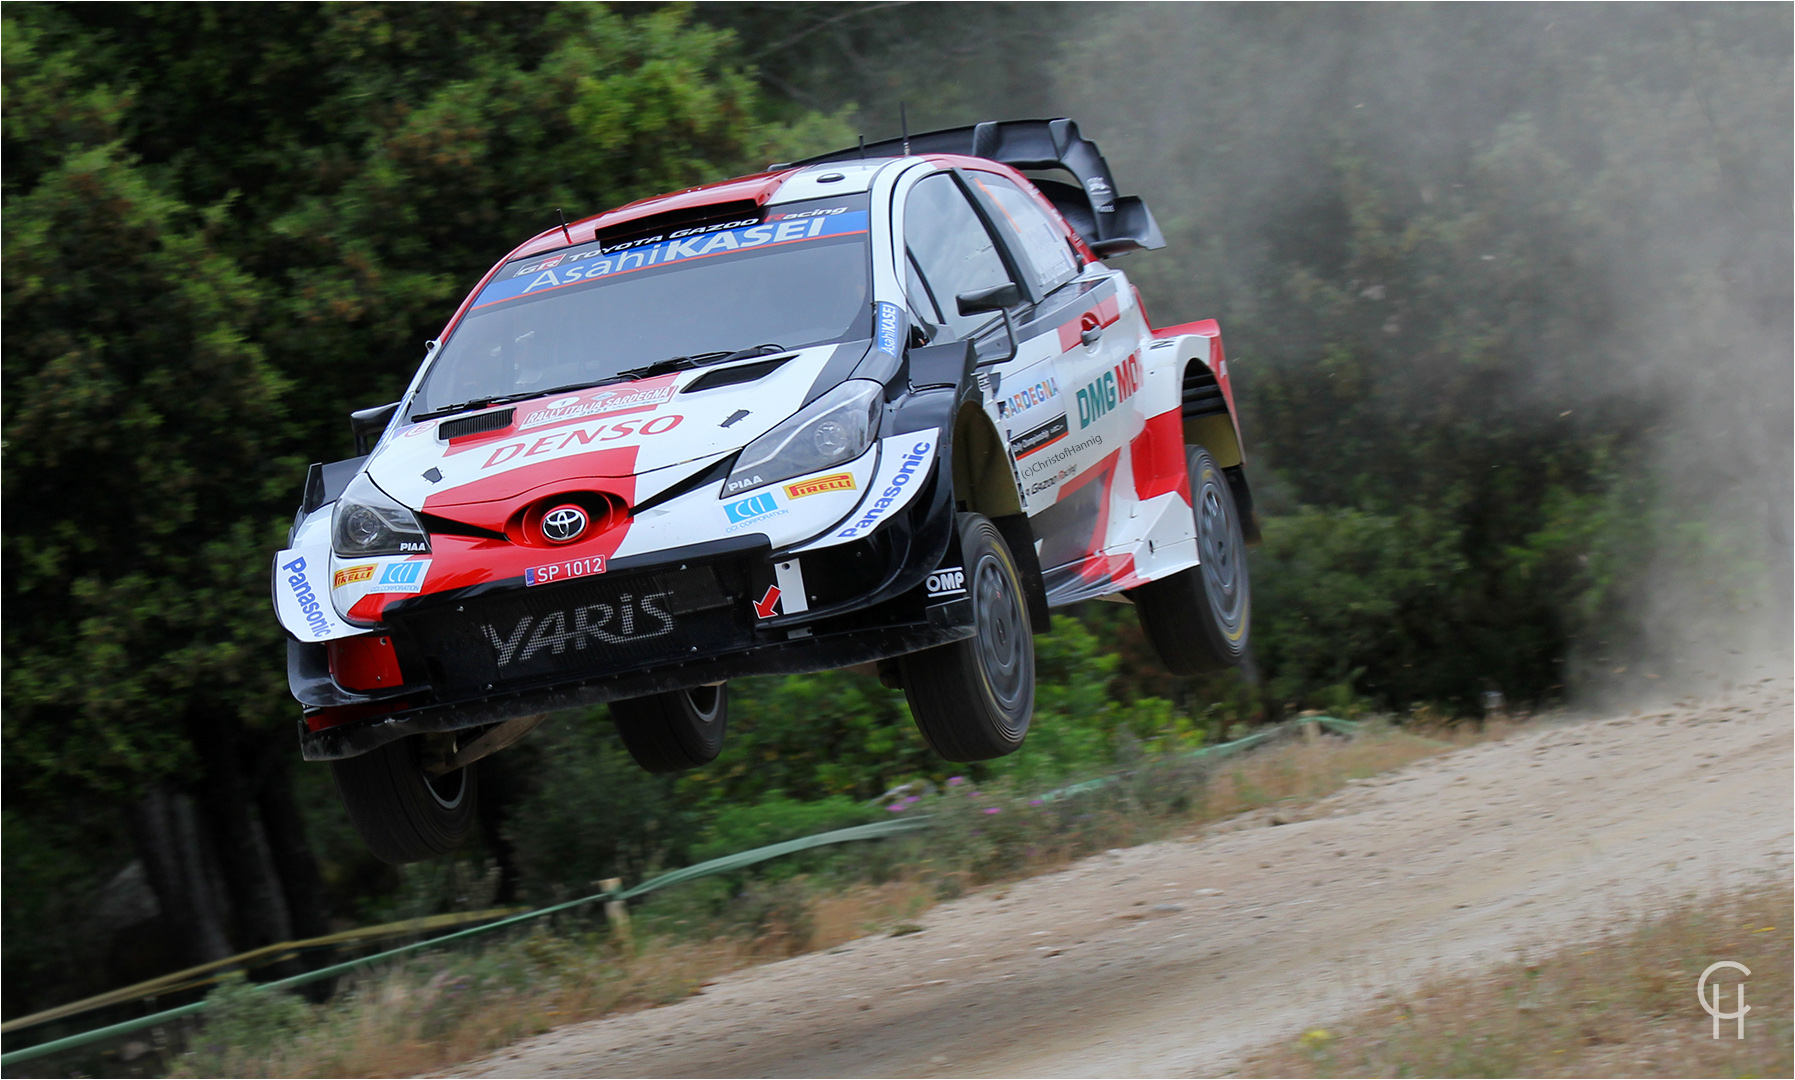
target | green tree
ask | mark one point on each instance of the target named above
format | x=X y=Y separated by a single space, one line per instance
x=226 y=226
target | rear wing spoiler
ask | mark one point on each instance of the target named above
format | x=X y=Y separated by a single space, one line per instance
x=1111 y=224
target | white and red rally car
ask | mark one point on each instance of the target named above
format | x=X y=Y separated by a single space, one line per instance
x=887 y=405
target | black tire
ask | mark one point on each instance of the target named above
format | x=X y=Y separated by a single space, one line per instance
x=1200 y=619
x=404 y=814
x=674 y=731
x=973 y=699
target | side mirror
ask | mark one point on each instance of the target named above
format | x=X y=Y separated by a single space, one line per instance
x=996 y=298
x=369 y=423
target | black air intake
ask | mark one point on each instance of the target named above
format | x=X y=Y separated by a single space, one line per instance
x=1202 y=395
x=474 y=425
x=740 y=373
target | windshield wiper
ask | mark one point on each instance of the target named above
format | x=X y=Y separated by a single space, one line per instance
x=683 y=363
x=522 y=395
x=659 y=367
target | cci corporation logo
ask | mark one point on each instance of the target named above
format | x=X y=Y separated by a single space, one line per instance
x=1713 y=1009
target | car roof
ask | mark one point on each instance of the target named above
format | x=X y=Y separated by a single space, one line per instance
x=760 y=189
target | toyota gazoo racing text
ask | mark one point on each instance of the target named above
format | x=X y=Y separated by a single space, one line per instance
x=886 y=406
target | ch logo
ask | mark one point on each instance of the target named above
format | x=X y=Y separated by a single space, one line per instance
x=1701 y=993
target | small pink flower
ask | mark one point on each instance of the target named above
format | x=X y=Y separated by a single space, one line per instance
x=955 y=781
x=992 y=810
x=1036 y=802
x=896 y=808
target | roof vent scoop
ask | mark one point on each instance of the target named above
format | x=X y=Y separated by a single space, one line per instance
x=1111 y=224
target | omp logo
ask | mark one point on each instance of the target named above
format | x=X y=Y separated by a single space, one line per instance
x=632 y=619
x=757 y=506
x=306 y=598
x=817 y=485
x=1115 y=386
x=586 y=435
x=350 y=575
x=913 y=460
x=947 y=582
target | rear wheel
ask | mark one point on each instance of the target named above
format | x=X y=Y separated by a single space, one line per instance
x=1199 y=619
x=403 y=813
x=674 y=731
x=973 y=699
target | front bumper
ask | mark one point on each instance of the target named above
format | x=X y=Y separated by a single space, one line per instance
x=672 y=620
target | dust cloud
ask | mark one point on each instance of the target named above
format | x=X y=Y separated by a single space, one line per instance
x=1634 y=161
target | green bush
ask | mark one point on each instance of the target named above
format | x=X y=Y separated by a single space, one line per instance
x=244 y=1026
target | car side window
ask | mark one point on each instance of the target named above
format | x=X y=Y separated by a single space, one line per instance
x=951 y=248
x=1043 y=242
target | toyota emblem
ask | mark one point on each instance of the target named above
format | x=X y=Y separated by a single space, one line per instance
x=564 y=524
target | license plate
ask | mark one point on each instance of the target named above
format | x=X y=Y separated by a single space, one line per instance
x=564 y=571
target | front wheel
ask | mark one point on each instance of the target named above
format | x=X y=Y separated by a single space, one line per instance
x=403 y=813
x=973 y=699
x=674 y=731
x=1199 y=619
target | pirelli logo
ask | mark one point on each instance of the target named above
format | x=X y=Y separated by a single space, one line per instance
x=818 y=485
x=349 y=575
x=1046 y=435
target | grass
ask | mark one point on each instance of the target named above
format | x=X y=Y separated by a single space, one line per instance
x=1622 y=1004
x=440 y=1009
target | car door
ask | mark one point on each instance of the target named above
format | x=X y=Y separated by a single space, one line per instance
x=949 y=250
x=1068 y=464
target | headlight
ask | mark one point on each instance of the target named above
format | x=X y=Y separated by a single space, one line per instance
x=834 y=428
x=366 y=521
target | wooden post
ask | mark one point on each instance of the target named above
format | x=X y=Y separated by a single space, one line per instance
x=1311 y=731
x=617 y=912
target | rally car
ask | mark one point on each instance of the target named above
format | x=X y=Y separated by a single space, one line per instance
x=881 y=407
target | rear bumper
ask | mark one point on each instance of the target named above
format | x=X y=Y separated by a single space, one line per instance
x=869 y=603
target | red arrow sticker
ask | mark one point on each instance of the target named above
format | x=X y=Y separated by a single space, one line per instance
x=763 y=608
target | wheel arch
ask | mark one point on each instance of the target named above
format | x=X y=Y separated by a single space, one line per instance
x=985 y=484
x=983 y=481
x=1206 y=406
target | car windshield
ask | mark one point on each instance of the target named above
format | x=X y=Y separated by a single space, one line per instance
x=801 y=276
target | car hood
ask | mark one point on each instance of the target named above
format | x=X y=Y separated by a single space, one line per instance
x=629 y=438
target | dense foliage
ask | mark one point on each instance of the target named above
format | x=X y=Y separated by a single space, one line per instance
x=1506 y=296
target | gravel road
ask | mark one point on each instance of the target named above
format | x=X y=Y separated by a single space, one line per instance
x=1174 y=958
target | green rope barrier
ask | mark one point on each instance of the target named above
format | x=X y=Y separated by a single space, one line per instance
x=1345 y=727
x=723 y=865
x=874 y=831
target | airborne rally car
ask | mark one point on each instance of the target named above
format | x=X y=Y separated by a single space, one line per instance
x=887 y=405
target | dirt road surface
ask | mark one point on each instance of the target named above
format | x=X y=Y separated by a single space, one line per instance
x=1174 y=958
